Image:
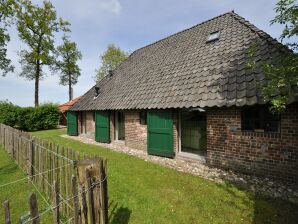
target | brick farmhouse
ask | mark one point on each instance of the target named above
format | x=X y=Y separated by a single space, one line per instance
x=191 y=95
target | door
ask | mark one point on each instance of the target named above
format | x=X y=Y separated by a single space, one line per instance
x=120 y=126
x=83 y=122
x=193 y=132
x=72 y=123
x=160 y=133
x=102 y=126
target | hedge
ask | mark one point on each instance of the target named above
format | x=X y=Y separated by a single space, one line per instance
x=45 y=116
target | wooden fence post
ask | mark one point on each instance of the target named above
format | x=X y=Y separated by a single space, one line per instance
x=50 y=180
x=75 y=199
x=57 y=163
x=92 y=181
x=31 y=159
x=56 y=202
x=90 y=201
x=67 y=193
x=12 y=147
x=6 y=212
x=4 y=146
x=33 y=209
x=84 y=210
x=46 y=168
x=62 y=178
x=104 y=189
x=40 y=165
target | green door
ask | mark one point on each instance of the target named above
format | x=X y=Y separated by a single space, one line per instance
x=102 y=126
x=160 y=133
x=72 y=123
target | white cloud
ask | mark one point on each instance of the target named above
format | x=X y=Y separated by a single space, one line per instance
x=88 y=10
x=113 y=6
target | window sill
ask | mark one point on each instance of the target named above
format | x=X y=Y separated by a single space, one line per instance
x=261 y=134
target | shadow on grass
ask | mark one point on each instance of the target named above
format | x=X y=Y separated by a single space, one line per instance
x=8 y=169
x=118 y=214
x=51 y=129
x=265 y=209
x=268 y=210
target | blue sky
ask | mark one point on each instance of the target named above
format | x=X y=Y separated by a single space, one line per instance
x=130 y=24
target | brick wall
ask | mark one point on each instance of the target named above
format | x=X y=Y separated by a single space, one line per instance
x=135 y=132
x=112 y=126
x=175 y=115
x=79 y=122
x=274 y=155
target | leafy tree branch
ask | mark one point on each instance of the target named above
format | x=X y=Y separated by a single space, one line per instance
x=281 y=75
x=110 y=60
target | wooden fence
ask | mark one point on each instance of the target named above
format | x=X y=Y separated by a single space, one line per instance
x=74 y=185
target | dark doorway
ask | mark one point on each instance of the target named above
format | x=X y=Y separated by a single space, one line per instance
x=193 y=132
x=83 y=122
x=120 y=127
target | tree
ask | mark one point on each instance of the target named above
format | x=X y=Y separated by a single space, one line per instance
x=110 y=59
x=6 y=13
x=282 y=76
x=68 y=66
x=37 y=27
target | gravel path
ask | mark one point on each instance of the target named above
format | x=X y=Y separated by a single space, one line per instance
x=254 y=184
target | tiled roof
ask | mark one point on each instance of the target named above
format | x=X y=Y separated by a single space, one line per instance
x=184 y=70
x=65 y=106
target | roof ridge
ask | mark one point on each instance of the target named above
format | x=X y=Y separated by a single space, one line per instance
x=261 y=33
x=182 y=31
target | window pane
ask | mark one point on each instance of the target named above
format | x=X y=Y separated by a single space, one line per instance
x=259 y=117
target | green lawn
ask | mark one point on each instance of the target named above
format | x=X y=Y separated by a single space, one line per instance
x=17 y=193
x=143 y=192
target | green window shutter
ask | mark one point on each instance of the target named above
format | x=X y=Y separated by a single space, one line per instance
x=160 y=133
x=72 y=123
x=102 y=126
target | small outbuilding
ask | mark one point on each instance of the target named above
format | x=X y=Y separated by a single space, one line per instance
x=63 y=108
x=192 y=95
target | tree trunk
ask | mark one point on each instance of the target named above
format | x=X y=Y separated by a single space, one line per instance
x=69 y=87
x=36 y=100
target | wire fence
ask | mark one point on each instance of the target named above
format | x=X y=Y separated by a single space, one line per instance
x=53 y=171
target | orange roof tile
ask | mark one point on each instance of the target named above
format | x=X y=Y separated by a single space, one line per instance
x=65 y=106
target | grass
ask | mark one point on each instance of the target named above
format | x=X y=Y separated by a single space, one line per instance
x=17 y=193
x=144 y=192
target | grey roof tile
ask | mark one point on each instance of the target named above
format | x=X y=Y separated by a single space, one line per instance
x=183 y=70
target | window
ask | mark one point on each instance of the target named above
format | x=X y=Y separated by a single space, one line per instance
x=259 y=119
x=96 y=92
x=143 y=117
x=213 y=36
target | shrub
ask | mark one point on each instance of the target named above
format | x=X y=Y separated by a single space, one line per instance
x=9 y=113
x=44 y=117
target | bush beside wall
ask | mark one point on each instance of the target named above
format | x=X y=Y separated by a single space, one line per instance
x=46 y=116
